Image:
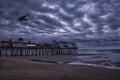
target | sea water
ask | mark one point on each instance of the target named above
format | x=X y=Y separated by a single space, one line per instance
x=109 y=58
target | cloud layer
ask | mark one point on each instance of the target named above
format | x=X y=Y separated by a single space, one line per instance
x=70 y=20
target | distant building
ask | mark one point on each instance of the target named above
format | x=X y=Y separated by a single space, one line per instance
x=55 y=44
x=47 y=45
x=6 y=44
x=19 y=43
x=62 y=44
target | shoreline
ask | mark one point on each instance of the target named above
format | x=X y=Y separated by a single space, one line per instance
x=76 y=63
x=62 y=59
x=95 y=65
x=15 y=69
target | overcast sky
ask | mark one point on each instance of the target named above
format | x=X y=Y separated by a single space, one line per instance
x=70 y=20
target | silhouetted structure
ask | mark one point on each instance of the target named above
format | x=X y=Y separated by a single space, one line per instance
x=20 y=39
x=21 y=48
x=19 y=43
x=6 y=44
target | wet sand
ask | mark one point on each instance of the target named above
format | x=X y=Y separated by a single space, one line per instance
x=15 y=69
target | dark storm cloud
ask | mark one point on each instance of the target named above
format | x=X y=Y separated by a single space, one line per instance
x=60 y=19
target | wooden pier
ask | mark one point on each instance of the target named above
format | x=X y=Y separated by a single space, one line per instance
x=25 y=51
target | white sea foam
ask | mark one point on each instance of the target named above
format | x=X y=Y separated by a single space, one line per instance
x=95 y=65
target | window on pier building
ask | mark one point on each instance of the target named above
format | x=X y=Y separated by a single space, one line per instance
x=31 y=45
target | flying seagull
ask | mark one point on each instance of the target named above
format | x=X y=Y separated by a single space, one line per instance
x=23 y=18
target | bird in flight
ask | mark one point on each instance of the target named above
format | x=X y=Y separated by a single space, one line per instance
x=23 y=18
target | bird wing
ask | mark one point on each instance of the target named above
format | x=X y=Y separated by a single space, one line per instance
x=22 y=18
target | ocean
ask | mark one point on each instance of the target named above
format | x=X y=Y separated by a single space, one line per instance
x=109 y=58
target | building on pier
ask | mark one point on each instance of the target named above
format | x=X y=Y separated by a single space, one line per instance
x=62 y=44
x=19 y=43
x=66 y=44
x=6 y=44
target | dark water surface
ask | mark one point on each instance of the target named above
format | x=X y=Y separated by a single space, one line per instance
x=104 y=58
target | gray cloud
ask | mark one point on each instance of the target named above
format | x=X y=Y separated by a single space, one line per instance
x=60 y=19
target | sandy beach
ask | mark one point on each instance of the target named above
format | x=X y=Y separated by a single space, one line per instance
x=15 y=69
